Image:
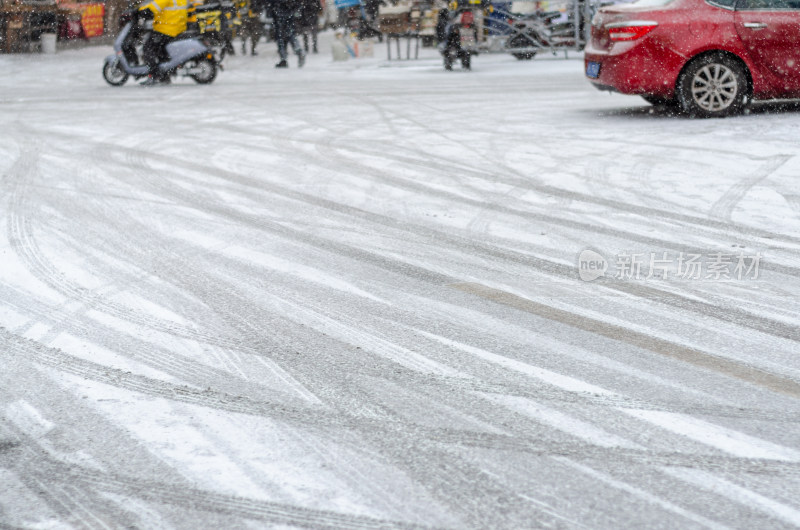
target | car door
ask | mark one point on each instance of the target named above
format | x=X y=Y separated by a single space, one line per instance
x=770 y=32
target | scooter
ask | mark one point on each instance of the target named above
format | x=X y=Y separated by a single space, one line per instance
x=544 y=30
x=187 y=57
x=211 y=23
x=533 y=33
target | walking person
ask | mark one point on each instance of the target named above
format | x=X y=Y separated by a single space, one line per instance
x=252 y=27
x=284 y=16
x=309 y=22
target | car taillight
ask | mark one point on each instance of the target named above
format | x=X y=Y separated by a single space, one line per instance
x=627 y=31
x=467 y=18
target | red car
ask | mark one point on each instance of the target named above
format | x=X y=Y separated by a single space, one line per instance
x=705 y=57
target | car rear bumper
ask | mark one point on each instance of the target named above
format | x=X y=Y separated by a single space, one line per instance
x=602 y=87
x=635 y=68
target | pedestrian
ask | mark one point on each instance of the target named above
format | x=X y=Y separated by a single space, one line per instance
x=252 y=26
x=169 y=20
x=285 y=14
x=309 y=22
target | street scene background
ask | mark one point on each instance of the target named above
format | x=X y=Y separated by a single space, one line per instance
x=349 y=296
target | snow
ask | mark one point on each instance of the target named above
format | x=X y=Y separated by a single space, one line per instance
x=347 y=296
x=563 y=422
x=738 y=494
x=564 y=382
x=727 y=440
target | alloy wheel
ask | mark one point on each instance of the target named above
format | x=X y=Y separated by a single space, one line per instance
x=715 y=87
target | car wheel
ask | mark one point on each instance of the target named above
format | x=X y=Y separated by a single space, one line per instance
x=712 y=86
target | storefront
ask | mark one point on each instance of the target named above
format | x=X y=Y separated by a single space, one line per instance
x=82 y=20
x=23 y=22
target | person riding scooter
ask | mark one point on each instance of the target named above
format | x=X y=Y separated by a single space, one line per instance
x=186 y=56
x=169 y=21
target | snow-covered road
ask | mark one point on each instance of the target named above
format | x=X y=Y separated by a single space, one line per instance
x=348 y=296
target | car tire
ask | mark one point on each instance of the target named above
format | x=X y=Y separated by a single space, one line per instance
x=713 y=86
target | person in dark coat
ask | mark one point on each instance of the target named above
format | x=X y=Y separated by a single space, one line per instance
x=250 y=12
x=309 y=22
x=284 y=17
x=371 y=8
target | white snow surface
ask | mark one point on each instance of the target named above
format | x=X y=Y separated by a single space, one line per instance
x=347 y=296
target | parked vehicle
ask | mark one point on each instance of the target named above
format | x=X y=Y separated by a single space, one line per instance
x=537 y=31
x=707 y=58
x=212 y=23
x=188 y=57
x=520 y=27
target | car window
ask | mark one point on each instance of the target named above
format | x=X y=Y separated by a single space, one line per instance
x=729 y=4
x=772 y=5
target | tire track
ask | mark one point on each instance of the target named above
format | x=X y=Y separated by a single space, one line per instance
x=442 y=389
x=498 y=206
x=515 y=179
x=405 y=434
x=193 y=373
x=23 y=241
x=523 y=181
x=453 y=475
x=698 y=358
x=788 y=334
x=435 y=237
x=446 y=481
x=189 y=277
x=84 y=508
x=730 y=314
x=723 y=208
x=61 y=484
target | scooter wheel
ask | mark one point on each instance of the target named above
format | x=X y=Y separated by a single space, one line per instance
x=206 y=71
x=522 y=41
x=113 y=74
